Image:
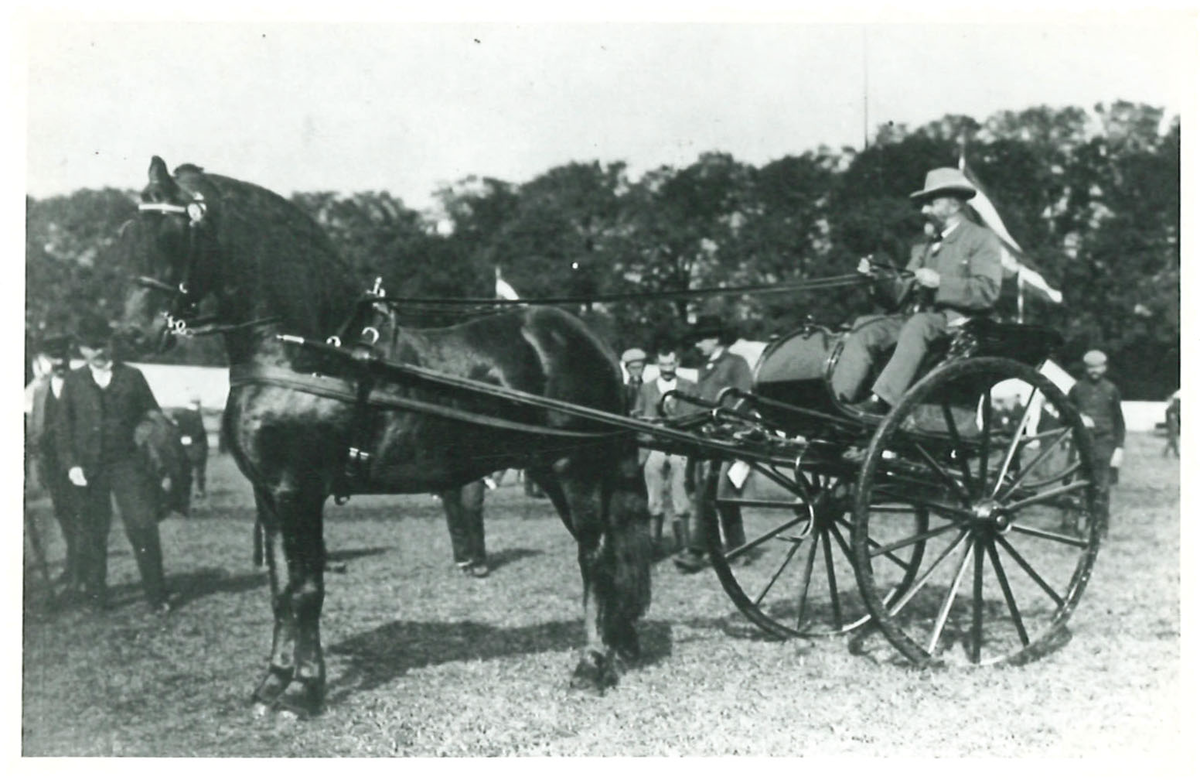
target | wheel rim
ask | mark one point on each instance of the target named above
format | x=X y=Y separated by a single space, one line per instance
x=1001 y=577
x=793 y=576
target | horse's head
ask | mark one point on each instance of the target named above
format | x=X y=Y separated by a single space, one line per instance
x=172 y=245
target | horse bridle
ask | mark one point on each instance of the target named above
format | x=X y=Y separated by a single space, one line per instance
x=183 y=303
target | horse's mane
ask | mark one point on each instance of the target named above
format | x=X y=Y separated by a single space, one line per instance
x=278 y=250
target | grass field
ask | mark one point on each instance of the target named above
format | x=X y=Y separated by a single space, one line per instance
x=423 y=661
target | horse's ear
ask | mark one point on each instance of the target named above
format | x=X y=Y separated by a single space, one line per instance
x=158 y=171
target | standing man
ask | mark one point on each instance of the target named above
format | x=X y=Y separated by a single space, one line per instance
x=1172 y=425
x=1099 y=403
x=634 y=361
x=464 y=519
x=194 y=439
x=665 y=471
x=42 y=450
x=721 y=369
x=956 y=275
x=102 y=402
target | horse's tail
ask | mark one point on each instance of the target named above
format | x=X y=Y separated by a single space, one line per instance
x=628 y=542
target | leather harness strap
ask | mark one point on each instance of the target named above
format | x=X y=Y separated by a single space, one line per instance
x=344 y=390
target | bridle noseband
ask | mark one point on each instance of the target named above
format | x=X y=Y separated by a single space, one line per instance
x=183 y=302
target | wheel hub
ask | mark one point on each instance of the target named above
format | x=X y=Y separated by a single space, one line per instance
x=990 y=513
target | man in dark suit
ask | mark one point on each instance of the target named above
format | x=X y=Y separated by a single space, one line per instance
x=42 y=450
x=721 y=369
x=102 y=403
x=954 y=276
x=634 y=361
x=665 y=472
x=194 y=438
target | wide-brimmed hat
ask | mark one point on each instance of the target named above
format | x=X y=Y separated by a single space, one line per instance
x=94 y=332
x=1095 y=358
x=632 y=354
x=945 y=181
x=55 y=345
x=709 y=326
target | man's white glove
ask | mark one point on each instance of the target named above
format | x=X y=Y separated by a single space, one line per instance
x=1088 y=421
x=75 y=474
x=1117 y=456
x=864 y=265
x=927 y=277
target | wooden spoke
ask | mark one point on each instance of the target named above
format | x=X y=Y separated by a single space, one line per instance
x=774 y=577
x=1024 y=564
x=1042 y=498
x=1071 y=540
x=985 y=439
x=1008 y=595
x=959 y=490
x=910 y=540
x=805 y=578
x=957 y=442
x=886 y=553
x=1025 y=472
x=766 y=537
x=834 y=599
x=948 y=601
x=976 y=648
x=920 y=582
x=1016 y=440
x=1058 y=478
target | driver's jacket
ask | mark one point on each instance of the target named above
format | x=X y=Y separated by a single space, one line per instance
x=967 y=260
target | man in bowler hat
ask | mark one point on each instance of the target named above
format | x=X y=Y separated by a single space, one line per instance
x=721 y=369
x=1099 y=403
x=102 y=403
x=42 y=449
x=954 y=275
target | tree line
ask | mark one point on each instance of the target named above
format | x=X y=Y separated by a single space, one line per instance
x=1092 y=196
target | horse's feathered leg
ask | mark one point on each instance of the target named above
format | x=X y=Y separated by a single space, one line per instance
x=301 y=530
x=282 y=664
x=608 y=517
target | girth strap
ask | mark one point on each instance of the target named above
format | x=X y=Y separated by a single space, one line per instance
x=344 y=390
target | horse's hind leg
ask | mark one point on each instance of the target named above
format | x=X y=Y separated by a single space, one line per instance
x=608 y=518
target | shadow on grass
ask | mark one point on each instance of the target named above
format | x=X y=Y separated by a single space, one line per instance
x=511 y=555
x=377 y=657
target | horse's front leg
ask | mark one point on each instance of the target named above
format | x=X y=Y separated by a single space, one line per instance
x=282 y=664
x=301 y=526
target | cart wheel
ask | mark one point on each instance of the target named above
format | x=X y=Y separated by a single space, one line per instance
x=786 y=562
x=1001 y=577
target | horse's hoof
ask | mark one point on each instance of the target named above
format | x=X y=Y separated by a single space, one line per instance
x=273 y=684
x=260 y=710
x=594 y=674
x=629 y=649
x=302 y=699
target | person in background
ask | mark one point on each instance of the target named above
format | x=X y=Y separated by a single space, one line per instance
x=1099 y=403
x=665 y=473
x=1172 y=425
x=102 y=403
x=464 y=519
x=721 y=369
x=45 y=462
x=634 y=361
x=194 y=439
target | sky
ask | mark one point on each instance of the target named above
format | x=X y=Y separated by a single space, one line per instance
x=411 y=107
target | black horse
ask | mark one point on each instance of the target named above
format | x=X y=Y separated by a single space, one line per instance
x=258 y=266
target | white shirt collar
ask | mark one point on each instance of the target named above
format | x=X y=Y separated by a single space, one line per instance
x=950 y=228
x=101 y=376
x=664 y=384
x=56 y=385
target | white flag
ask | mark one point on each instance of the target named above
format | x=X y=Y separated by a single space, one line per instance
x=504 y=290
x=1010 y=251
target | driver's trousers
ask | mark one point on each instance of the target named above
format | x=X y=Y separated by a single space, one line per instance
x=871 y=336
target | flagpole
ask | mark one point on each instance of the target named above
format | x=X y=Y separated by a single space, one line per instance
x=866 y=84
x=1020 y=299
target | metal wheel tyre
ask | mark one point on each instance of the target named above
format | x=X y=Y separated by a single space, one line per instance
x=790 y=568
x=1001 y=576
